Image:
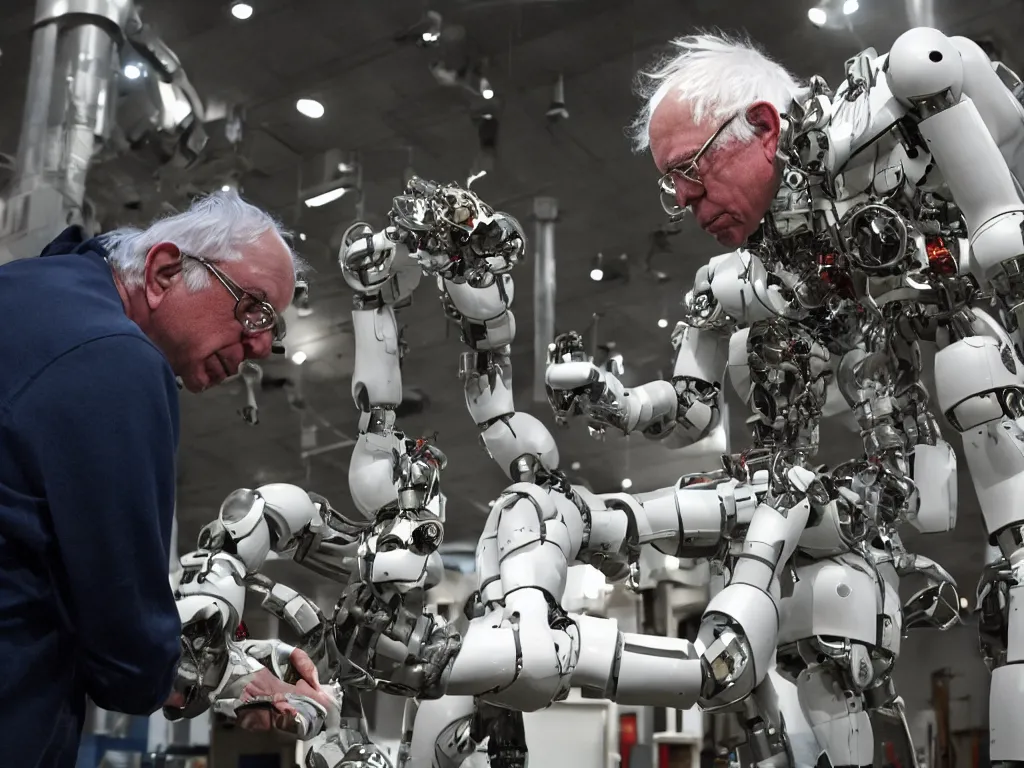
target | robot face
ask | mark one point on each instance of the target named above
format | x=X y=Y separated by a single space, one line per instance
x=241 y=512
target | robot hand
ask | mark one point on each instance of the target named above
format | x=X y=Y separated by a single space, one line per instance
x=335 y=753
x=406 y=653
x=578 y=387
x=456 y=235
x=367 y=259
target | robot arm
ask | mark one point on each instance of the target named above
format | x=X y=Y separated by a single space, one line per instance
x=739 y=629
x=963 y=112
x=519 y=443
x=214 y=581
x=732 y=289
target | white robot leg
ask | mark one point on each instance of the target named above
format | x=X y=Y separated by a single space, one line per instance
x=837 y=717
x=442 y=733
x=1006 y=737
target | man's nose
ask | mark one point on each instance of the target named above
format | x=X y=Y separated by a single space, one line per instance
x=257 y=347
x=688 y=192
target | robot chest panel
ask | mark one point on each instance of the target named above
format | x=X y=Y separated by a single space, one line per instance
x=837 y=597
x=777 y=366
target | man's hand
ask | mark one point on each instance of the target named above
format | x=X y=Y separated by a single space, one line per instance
x=280 y=714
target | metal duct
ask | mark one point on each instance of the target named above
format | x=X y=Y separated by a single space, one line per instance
x=545 y=211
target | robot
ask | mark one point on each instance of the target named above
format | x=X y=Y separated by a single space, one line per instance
x=222 y=668
x=387 y=558
x=885 y=232
x=821 y=315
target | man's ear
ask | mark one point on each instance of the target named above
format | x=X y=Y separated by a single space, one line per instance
x=163 y=270
x=767 y=127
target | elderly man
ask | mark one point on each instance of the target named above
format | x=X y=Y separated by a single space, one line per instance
x=711 y=121
x=96 y=333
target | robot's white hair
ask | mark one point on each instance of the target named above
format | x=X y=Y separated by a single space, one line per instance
x=216 y=227
x=718 y=76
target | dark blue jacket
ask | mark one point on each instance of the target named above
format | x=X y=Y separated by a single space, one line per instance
x=88 y=435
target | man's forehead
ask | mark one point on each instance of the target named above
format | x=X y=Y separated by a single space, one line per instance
x=674 y=135
x=267 y=268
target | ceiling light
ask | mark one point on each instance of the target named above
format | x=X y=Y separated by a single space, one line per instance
x=597 y=274
x=241 y=11
x=663 y=323
x=226 y=188
x=485 y=89
x=310 y=108
x=302 y=236
x=627 y=484
x=346 y=167
x=325 y=198
x=850 y=6
x=132 y=71
x=299 y=358
x=817 y=16
x=964 y=603
x=575 y=466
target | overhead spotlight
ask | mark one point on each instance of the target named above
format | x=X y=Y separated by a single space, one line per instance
x=241 y=11
x=427 y=32
x=603 y=268
x=302 y=236
x=310 y=108
x=663 y=323
x=325 y=197
x=627 y=484
x=299 y=358
x=132 y=71
x=226 y=188
x=557 y=110
x=964 y=603
x=575 y=466
x=485 y=88
x=832 y=13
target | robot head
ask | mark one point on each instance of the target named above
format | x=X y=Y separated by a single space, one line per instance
x=242 y=517
x=256 y=521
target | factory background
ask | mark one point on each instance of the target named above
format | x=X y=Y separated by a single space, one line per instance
x=320 y=111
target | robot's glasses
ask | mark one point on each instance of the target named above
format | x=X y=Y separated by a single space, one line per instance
x=255 y=315
x=688 y=171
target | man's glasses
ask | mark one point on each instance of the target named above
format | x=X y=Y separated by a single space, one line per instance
x=688 y=171
x=255 y=315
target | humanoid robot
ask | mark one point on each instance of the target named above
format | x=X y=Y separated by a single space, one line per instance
x=897 y=202
x=834 y=295
x=388 y=558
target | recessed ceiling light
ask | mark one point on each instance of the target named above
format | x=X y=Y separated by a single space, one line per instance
x=302 y=236
x=132 y=71
x=299 y=358
x=325 y=197
x=241 y=11
x=310 y=108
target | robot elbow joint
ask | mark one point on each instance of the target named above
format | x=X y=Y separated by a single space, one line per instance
x=727 y=662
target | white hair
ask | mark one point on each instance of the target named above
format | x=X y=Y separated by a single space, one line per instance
x=216 y=227
x=717 y=76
